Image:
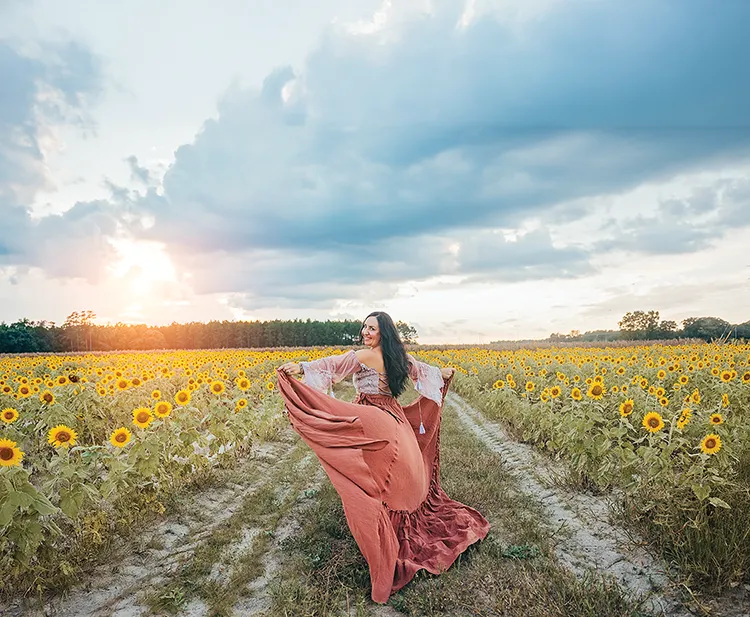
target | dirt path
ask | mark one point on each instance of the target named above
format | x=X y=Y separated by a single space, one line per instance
x=588 y=538
x=148 y=563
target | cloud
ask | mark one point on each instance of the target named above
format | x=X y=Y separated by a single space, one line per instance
x=682 y=226
x=488 y=256
x=40 y=92
x=428 y=128
x=419 y=128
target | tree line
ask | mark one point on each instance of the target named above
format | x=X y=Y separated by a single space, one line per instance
x=648 y=326
x=80 y=333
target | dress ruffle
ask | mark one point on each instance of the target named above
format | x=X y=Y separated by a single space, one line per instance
x=388 y=477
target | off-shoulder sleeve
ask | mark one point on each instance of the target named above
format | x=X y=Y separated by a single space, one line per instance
x=428 y=380
x=322 y=374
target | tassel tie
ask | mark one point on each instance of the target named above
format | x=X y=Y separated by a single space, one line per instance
x=419 y=406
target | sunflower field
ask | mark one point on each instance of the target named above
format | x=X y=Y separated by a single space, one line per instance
x=664 y=429
x=90 y=442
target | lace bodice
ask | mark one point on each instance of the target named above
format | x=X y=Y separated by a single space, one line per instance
x=322 y=374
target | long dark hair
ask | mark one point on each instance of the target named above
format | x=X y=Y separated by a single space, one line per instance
x=394 y=353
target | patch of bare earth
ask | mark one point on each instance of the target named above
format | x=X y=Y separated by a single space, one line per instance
x=588 y=537
x=116 y=588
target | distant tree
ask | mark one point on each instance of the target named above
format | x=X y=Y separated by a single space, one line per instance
x=742 y=330
x=407 y=333
x=641 y=325
x=707 y=328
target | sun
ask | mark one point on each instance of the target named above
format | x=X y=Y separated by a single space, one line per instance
x=142 y=265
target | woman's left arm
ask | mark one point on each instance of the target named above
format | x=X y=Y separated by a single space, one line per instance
x=428 y=379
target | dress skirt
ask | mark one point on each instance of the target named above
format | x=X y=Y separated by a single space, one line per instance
x=388 y=477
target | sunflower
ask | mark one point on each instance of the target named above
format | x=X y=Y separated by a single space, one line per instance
x=62 y=380
x=555 y=391
x=726 y=376
x=47 y=397
x=142 y=417
x=9 y=415
x=242 y=403
x=716 y=418
x=10 y=455
x=529 y=386
x=653 y=422
x=270 y=387
x=576 y=394
x=711 y=444
x=122 y=384
x=663 y=401
x=6 y=389
x=695 y=396
x=217 y=387
x=544 y=396
x=498 y=385
x=596 y=391
x=684 y=379
x=725 y=400
x=746 y=377
x=24 y=391
x=156 y=395
x=120 y=437
x=162 y=409
x=684 y=418
x=182 y=397
x=243 y=384
x=626 y=408
x=62 y=435
x=661 y=374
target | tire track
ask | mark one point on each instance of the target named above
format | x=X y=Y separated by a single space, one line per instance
x=148 y=560
x=590 y=541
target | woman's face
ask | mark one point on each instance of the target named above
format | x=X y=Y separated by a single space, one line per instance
x=371 y=332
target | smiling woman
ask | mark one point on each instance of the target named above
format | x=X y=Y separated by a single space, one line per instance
x=384 y=458
x=142 y=265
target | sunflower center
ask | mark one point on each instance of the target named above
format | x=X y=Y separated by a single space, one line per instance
x=710 y=443
x=6 y=454
x=597 y=390
x=48 y=398
x=142 y=417
x=653 y=422
x=628 y=408
x=62 y=436
x=120 y=437
x=8 y=415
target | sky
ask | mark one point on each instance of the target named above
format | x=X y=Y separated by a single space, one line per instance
x=483 y=170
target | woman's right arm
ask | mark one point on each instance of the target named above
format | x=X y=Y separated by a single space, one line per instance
x=323 y=373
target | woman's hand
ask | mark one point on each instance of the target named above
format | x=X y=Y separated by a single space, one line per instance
x=447 y=372
x=291 y=368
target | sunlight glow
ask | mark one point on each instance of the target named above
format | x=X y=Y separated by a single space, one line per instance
x=143 y=266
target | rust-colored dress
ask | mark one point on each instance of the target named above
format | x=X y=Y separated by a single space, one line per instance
x=384 y=461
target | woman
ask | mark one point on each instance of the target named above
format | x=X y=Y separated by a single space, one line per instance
x=382 y=458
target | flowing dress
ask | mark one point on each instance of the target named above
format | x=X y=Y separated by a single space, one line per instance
x=384 y=461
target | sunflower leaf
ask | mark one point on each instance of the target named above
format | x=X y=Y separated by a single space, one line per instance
x=701 y=491
x=719 y=503
x=6 y=513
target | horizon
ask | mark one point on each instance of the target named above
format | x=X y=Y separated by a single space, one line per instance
x=483 y=170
